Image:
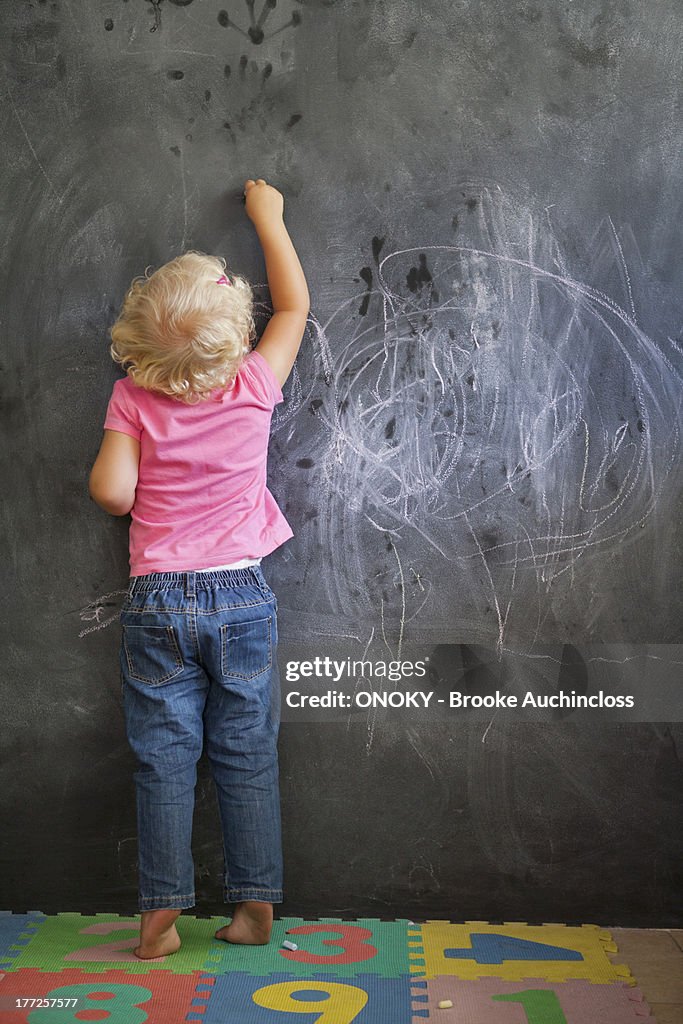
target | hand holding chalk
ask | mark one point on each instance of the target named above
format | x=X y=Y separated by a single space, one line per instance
x=264 y=204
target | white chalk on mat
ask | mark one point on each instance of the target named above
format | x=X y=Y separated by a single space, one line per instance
x=289 y=945
x=445 y=1004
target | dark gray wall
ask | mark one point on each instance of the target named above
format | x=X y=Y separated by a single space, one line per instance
x=479 y=450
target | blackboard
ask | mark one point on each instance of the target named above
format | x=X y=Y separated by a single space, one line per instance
x=479 y=450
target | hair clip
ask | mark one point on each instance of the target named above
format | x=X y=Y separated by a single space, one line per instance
x=223 y=280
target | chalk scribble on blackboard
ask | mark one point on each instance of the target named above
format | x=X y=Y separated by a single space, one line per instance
x=95 y=610
x=488 y=423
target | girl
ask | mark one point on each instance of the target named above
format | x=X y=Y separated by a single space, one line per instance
x=184 y=451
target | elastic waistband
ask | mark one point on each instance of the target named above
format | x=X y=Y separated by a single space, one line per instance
x=191 y=582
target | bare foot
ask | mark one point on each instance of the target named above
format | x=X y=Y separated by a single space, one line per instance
x=158 y=935
x=251 y=924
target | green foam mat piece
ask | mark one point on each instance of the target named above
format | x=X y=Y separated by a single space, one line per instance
x=344 y=949
x=105 y=942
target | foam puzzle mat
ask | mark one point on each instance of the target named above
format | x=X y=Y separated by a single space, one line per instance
x=64 y=968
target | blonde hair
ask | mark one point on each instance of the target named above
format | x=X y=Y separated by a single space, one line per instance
x=180 y=332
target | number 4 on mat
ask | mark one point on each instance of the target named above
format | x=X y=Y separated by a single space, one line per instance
x=494 y=949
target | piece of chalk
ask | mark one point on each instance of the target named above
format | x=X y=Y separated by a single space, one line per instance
x=289 y=945
x=445 y=1004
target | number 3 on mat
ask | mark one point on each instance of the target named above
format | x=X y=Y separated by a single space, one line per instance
x=336 y=1003
x=352 y=939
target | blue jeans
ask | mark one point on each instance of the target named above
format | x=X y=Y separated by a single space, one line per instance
x=198 y=661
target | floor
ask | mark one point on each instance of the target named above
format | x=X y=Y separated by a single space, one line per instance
x=656 y=961
x=333 y=971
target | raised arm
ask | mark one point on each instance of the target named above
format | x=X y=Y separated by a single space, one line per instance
x=281 y=340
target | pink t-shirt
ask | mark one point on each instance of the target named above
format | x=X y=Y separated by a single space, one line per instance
x=201 y=497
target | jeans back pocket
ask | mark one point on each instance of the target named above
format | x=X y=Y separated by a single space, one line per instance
x=246 y=648
x=152 y=653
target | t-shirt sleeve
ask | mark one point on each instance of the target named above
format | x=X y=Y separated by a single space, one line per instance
x=261 y=373
x=121 y=413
